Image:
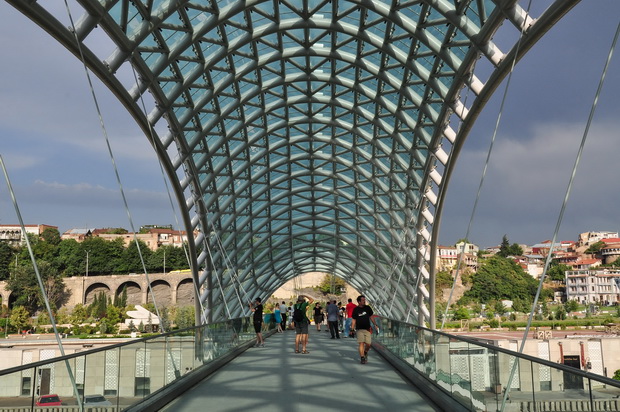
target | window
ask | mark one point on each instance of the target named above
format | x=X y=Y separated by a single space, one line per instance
x=26 y=385
x=142 y=386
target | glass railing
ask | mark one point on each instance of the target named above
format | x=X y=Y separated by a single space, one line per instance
x=114 y=377
x=477 y=375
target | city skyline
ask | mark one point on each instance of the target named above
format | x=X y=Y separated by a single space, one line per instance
x=60 y=170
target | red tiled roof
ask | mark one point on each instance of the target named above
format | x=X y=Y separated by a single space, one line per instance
x=587 y=261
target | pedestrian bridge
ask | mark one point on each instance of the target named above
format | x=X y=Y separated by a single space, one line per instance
x=299 y=137
x=410 y=368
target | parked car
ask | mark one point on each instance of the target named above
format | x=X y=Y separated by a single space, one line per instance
x=49 y=400
x=96 y=400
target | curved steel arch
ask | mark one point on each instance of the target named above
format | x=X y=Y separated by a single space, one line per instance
x=306 y=137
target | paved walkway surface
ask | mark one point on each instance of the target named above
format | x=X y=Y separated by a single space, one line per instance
x=329 y=378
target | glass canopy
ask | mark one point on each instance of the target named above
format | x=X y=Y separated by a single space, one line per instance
x=305 y=135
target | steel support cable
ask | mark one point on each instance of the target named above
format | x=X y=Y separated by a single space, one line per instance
x=486 y=163
x=204 y=318
x=460 y=117
x=40 y=282
x=111 y=154
x=227 y=263
x=400 y=259
x=232 y=268
x=163 y=174
x=563 y=208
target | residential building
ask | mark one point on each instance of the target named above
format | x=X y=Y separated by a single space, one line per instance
x=562 y=246
x=534 y=265
x=600 y=286
x=153 y=238
x=588 y=238
x=77 y=234
x=448 y=256
x=14 y=235
x=586 y=263
x=611 y=251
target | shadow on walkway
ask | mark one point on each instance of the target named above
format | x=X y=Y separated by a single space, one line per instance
x=329 y=378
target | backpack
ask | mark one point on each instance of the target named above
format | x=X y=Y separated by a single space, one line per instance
x=298 y=315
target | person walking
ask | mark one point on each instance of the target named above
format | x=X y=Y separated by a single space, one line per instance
x=332 y=319
x=257 y=308
x=290 y=315
x=301 y=325
x=341 y=316
x=283 y=312
x=318 y=316
x=278 y=318
x=349 y=318
x=362 y=318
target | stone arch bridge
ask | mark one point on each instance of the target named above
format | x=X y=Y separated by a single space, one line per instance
x=168 y=288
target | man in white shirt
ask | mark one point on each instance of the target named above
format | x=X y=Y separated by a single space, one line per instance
x=283 y=311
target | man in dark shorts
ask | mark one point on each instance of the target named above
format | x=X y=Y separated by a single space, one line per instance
x=257 y=317
x=362 y=317
x=318 y=316
x=301 y=326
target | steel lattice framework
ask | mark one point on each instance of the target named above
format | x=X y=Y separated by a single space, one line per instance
x=305 y=135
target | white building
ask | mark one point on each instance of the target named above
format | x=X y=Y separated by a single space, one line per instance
x=593 y=285
x=14 y=235
x=588 y=238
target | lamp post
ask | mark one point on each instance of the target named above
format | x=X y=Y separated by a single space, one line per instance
x=84 y=280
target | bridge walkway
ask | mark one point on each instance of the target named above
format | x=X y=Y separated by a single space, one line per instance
x=330 y=378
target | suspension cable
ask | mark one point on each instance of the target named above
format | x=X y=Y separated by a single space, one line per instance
x=40 y=282
x=111 y=154
x=486 y=163
x=168 y=191
x=232 y=268
x=563 y=208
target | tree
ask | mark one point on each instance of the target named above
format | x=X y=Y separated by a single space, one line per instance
x=99 y=307
x=560 y=313
x=174 y=258
x=19 y=318
x=500 y=308
x=185 y=317
x=443 y=280
x=595 y=248
x=520 y=305
x=51 y=236
x=571 y=305
x=70 y=260
x=477 y=309
x=7 y=254
x=120 y=301
x=461 y=313
x=24 y=285
x=131 y=261
x=79 y=314
x=500 y=278
x=556 y=271
x=617 y=375
x=112 y=318
x=104 y=257
x=332 y=284
x=503 y=247
x=164 y=320
x=506 y=249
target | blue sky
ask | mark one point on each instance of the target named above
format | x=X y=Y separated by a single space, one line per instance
x=62 y=175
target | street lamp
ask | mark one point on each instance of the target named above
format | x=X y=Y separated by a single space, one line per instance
x=84 y=280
